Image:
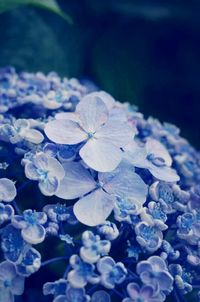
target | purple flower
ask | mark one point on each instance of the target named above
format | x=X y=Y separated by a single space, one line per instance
x=102 y=138
x=111 y=273
x=154 y=272
x=144 y=294
x=95 y=207
x=11 y=283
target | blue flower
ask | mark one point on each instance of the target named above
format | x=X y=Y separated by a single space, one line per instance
x=189 y=227
x=111 y=273
x=93 y=247
x=144 y=294
x=7 y=190
x=19 y=130
x=82 y=273
x=125 y=207
x=90 y=124
x=73 y=294
x=29 y=262
x=11 y=284
x=170 y=196
x=182 y=279
x=59 y=212
x=148 y=236
x=154 y=157
x=100 y=296
x=109 y=230
x=6 y=213
x=56 y=288
x=95 y=207
x=154 y=215
x=67 y=239
x=47 y=170
x=12 y=243
x=31 y=225
x=154 y=272
x=55 y=99
x=63 y=152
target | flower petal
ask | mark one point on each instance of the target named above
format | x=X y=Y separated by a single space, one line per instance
x=76 y=183
x=101 y=155
x=119 y=134
x=133 y=290
x=158 y=150
x=34 y=136
x=164 y=173
x=94 y=208
x=7 y=190
x=65 y=132
x=49 y=186
x=136 y=155
x=92 y=112
x=124 y=182
x=34 y=234
x=55 y=167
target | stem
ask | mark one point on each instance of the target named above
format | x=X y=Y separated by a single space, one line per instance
x=53 y=260
x=15 y=206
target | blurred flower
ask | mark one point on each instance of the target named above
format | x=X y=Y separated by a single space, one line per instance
x=6 y=213
x=182 y=279
x=144 y=294
x=109 y=230
x=11 y=284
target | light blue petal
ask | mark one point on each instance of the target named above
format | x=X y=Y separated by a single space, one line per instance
x=164 y=173
x=61 y=298
x=65 y=132
x=118 y=134
x=49 y=186
x=7 y=271
x=101 y=155
x=133 y=290
x=19 y=222
x=34 y=234
x=76 y=280
x=7 y=190
x=100 y=296
x=76 y=183
x=31 y=171
x=158 y=150
x=33 y=136
x=94 y=208
x=92 y=112
x=17 y=285
x=136 y=155
x=124 y=182
x=55 y=168
x=105 y=264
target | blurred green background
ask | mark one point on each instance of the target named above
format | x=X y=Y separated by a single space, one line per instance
x=146 y=52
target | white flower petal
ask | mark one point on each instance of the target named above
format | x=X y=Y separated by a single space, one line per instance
x=92 y=112
x=101 y=155
x=7 y=190
x=65 y=132
x=158 y=150
x=76 y=183
x=94 y=208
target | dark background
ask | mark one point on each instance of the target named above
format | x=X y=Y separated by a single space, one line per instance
x=143 y=52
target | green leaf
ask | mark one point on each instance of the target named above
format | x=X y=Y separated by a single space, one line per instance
x=51 y=5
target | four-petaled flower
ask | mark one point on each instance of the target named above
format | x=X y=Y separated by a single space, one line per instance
x=31 y=225
x=154 y=157
x=11 y=283
x=102 y=138
x=47 y=170
x=93 y=247
x=95 y=207
x=154 y=272
x=111 y=273
x=144 y=294
x=82 y=273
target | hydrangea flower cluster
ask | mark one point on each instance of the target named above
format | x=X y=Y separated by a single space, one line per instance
x=97 y=203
